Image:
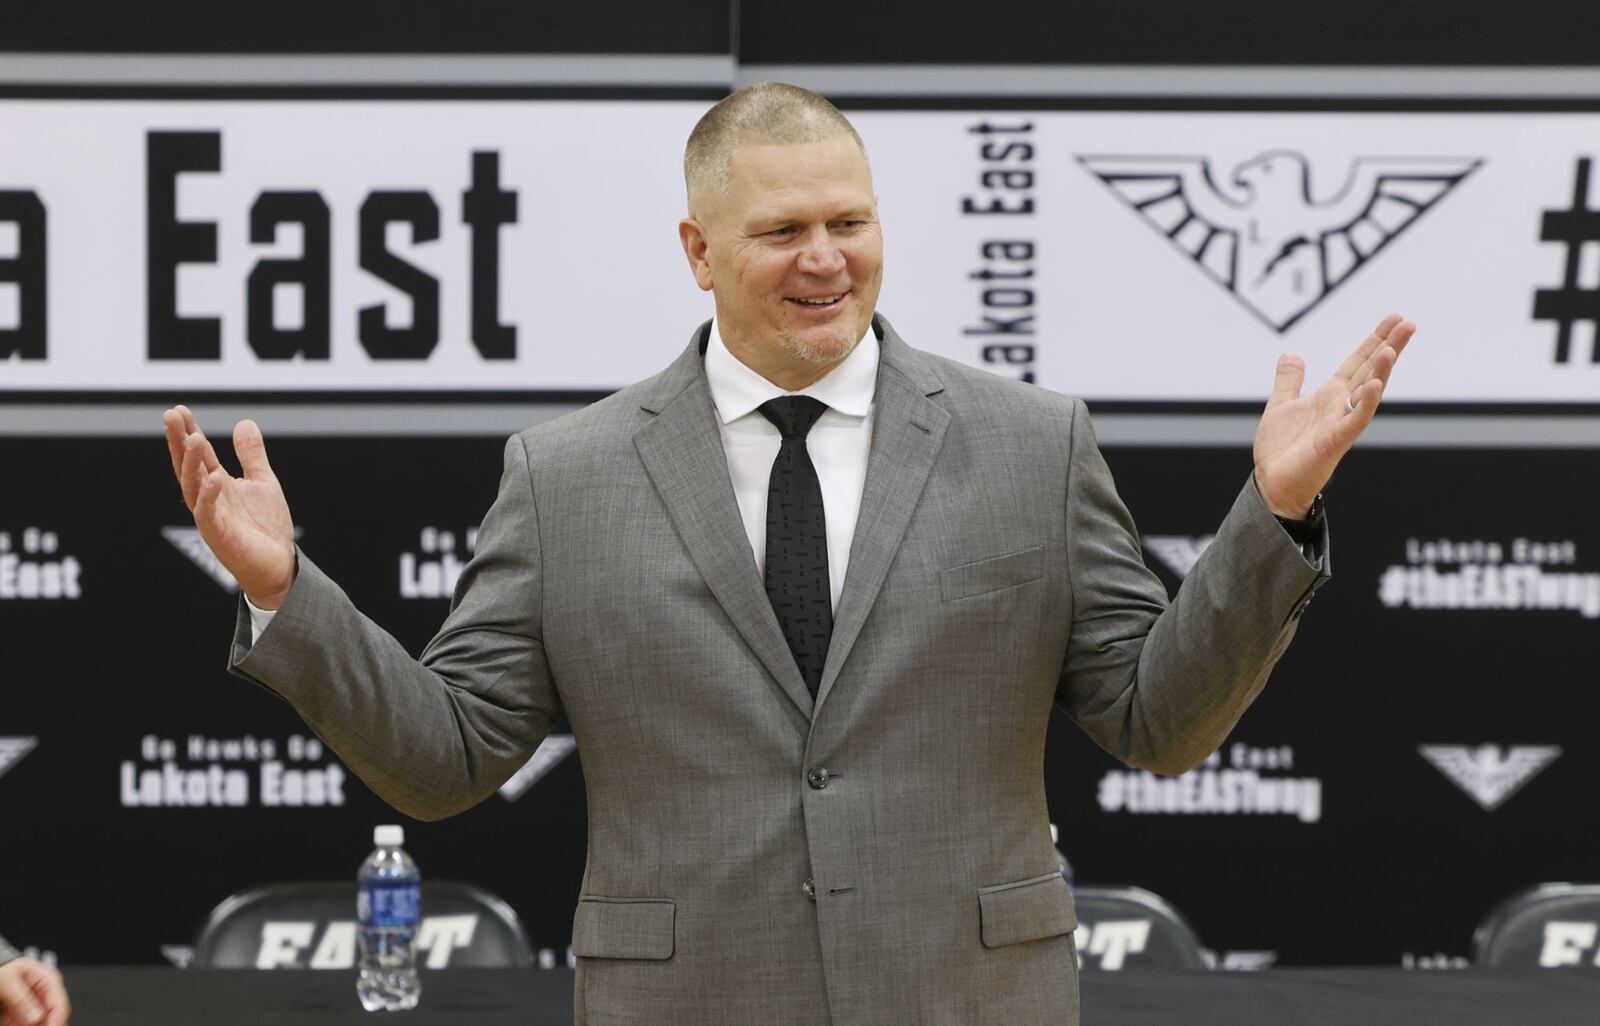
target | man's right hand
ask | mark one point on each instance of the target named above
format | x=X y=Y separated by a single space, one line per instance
x=244 y=520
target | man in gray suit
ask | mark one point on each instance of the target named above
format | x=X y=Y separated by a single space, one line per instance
x=806 y=597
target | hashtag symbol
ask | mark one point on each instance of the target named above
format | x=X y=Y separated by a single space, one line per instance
x=1111 y=791
x=1570 y=303
x=1392 y=586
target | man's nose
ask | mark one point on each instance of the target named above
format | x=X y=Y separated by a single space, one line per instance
x=820 y=254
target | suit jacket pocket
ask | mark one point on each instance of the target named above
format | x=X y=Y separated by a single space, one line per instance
x=993 y=574
x=623 y=928
x=1026 y=910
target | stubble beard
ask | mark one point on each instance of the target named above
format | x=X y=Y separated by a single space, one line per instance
x=829 y=349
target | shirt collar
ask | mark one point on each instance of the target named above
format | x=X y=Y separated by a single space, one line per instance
x=738 y=390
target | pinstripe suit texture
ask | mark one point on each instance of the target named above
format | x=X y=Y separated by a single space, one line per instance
x=994 y=573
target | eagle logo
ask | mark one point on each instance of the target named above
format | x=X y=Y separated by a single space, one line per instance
x=1180 y=552
x=187 y=540
x=1488 y=773
x=1263 y=235
x=12 y=749
x=552 y=751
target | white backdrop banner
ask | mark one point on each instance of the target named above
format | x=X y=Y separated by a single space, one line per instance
x=492 y=246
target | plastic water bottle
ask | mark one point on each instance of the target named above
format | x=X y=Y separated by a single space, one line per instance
x=388 y=909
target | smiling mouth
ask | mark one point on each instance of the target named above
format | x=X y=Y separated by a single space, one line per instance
x=816 y=301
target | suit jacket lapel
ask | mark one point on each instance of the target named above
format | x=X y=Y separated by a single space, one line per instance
x=908 y=431
x=682 y=452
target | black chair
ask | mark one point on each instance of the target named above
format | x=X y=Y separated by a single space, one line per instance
x=1128 y=928
x=313 y=925
x=1547 y=926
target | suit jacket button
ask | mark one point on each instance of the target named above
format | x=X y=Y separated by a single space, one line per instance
x=817 y=777
x=809 y=889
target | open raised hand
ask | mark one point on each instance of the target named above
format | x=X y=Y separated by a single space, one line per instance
x=1302 y=438
x=246 y=520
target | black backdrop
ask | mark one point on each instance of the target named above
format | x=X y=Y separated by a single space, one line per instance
x=1397 y=858
x=1402 y=33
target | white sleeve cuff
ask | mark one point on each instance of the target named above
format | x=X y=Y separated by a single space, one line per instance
x=259 y=618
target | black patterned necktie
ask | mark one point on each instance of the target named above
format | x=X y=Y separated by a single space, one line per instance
x=797 y=539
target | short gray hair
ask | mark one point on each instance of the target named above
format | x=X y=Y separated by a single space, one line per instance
x=766 y=114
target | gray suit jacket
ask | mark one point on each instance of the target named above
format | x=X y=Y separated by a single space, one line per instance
x=994 y=572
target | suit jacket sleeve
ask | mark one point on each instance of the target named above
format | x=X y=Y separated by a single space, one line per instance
x=435 y=736
x=1160 y=685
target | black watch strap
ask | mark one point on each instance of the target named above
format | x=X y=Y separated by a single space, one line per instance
x=1309 y=527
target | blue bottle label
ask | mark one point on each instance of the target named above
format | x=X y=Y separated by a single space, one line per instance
x=381 y=903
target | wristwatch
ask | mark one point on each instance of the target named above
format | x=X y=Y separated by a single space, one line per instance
x=1307 y=528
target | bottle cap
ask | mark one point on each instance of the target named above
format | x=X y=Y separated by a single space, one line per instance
x=391 y=836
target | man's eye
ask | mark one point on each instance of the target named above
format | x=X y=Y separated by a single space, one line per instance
x=784 y=232
x=847 y=224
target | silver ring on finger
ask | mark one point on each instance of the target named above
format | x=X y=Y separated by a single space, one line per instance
x=1348 y=408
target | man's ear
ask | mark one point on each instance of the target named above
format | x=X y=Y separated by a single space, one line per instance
x=693 y=237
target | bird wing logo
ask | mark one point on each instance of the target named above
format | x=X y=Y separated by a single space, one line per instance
x=1247 y=961
x=1179 y=552
x=1490 y=774
x=187 y=540
x=550 y=754
x=1261 y=234
x=12 y=750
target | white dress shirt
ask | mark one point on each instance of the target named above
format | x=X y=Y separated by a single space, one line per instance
x=838 y=444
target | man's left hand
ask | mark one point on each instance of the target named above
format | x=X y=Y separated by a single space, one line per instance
x=1302 y=438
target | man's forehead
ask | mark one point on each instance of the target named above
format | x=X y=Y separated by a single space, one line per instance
x=771 y=178
x=817 y=198
x=770 y=165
